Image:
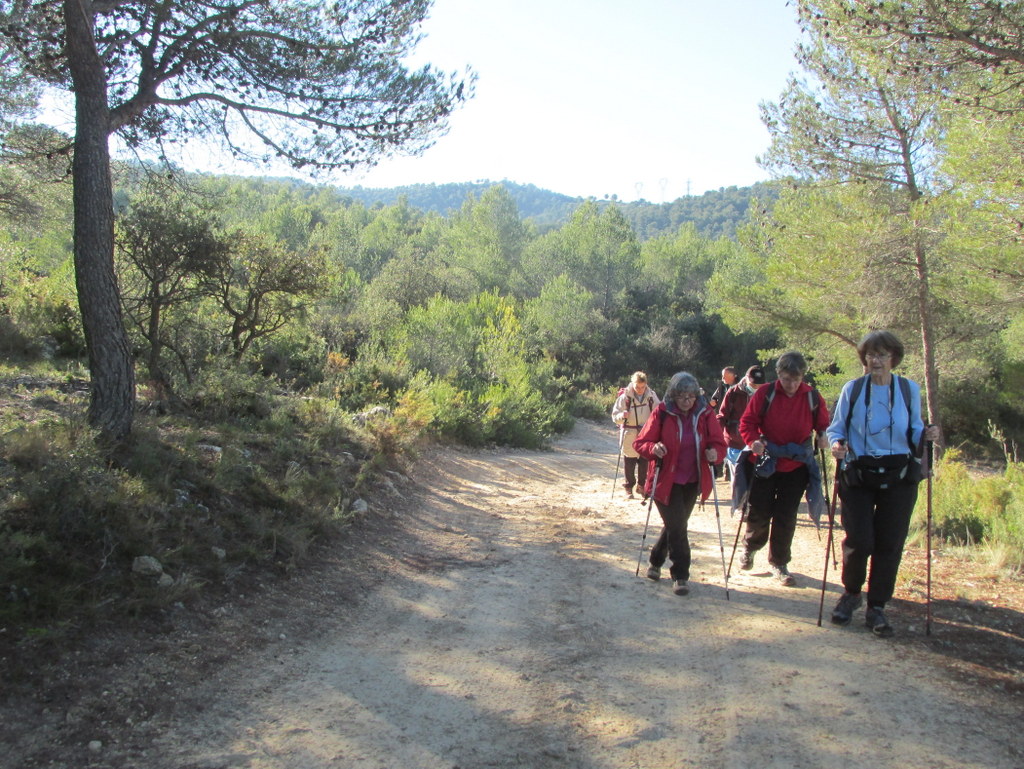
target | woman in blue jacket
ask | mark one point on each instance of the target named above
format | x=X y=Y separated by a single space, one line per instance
x=876 y=432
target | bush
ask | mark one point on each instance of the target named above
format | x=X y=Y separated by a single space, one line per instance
x=399 y=432
x=595 y=404
x=372 y=379
x=261 y=491
x=224 y=391
x=968 y=510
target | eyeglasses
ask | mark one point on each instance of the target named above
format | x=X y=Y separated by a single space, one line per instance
x=879 y=356
x=686 y=397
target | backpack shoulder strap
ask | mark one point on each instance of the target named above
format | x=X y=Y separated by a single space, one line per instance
x=768 y=400
x=858 y=387
x=905 y=392
x=813 y=399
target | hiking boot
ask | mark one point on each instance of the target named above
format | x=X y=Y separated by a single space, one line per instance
x=629 y=494
x=746 y=561
x=781 y=573
x=848 y=603
x=874 y=619
x=654 y=572
x=679 y=587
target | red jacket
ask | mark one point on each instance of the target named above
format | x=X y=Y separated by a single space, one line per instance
x=788 y=420
x=664 y=427
x=734 y=402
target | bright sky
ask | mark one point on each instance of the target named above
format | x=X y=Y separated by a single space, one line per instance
x=653 y=99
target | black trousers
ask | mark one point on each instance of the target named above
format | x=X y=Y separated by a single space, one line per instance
x=876 y=522
x=771 y=513
x=674 y=541
x=635 y=472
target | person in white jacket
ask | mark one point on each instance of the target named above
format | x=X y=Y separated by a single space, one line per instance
x=634 y=405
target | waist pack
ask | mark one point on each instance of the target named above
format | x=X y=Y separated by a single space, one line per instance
x=881 y=472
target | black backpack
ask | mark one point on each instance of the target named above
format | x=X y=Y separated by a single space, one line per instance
x=858 y=387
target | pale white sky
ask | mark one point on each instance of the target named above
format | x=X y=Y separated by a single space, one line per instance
x=591 y=98
x=652 y=99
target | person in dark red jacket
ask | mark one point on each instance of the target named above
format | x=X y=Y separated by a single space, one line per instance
x=734 y=403
x=683 y=440
x=779 y=424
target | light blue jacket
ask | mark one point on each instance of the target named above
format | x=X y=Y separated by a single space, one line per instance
x=881 y=428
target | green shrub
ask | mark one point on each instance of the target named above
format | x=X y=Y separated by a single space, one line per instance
x=224 y=391
x=294 y=357
x=595 y=404
x=970 y=510
x=262 y=492
x=400 y=431
x=372 y=379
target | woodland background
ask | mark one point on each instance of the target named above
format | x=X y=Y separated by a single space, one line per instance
x=262 y=321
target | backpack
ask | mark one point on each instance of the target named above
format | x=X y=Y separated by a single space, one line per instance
x=858 y=387
x=622 y=391
x=880 y=472
x=813 y=400
x=632 y=406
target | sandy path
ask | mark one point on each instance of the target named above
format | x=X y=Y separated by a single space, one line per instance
x=513 y=633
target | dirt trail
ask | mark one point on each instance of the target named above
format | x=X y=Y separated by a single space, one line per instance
x=505 y=628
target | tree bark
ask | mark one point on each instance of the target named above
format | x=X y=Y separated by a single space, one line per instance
x=931 y=374
x=112 y=401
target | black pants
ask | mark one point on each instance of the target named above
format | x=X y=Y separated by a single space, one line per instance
x=876 y=522
x=635 y=472
x=674 y=540
x=771 y=513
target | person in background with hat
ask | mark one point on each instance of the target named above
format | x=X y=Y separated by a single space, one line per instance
x=734 y=402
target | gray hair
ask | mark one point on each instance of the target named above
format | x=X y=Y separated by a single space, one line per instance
x=682 y=383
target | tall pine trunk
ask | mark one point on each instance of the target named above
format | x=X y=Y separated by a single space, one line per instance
x=112 y=402
x=931 y=373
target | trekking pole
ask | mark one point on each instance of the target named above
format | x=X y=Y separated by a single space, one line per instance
x=721 y=545
x=739 y=530
x=824 y=476
x=618 y=459
x=650 y=504
x=928 y=579
x=828 y=547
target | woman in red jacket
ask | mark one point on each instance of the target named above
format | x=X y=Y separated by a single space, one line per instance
x=779 y=425
x=683 y=438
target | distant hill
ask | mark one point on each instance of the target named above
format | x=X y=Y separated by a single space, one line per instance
x=715 y=214
x=545 y=208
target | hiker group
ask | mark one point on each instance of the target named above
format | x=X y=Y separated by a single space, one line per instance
x=771 y=439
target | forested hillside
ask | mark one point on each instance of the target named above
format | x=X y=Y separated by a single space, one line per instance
x=715 y=213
